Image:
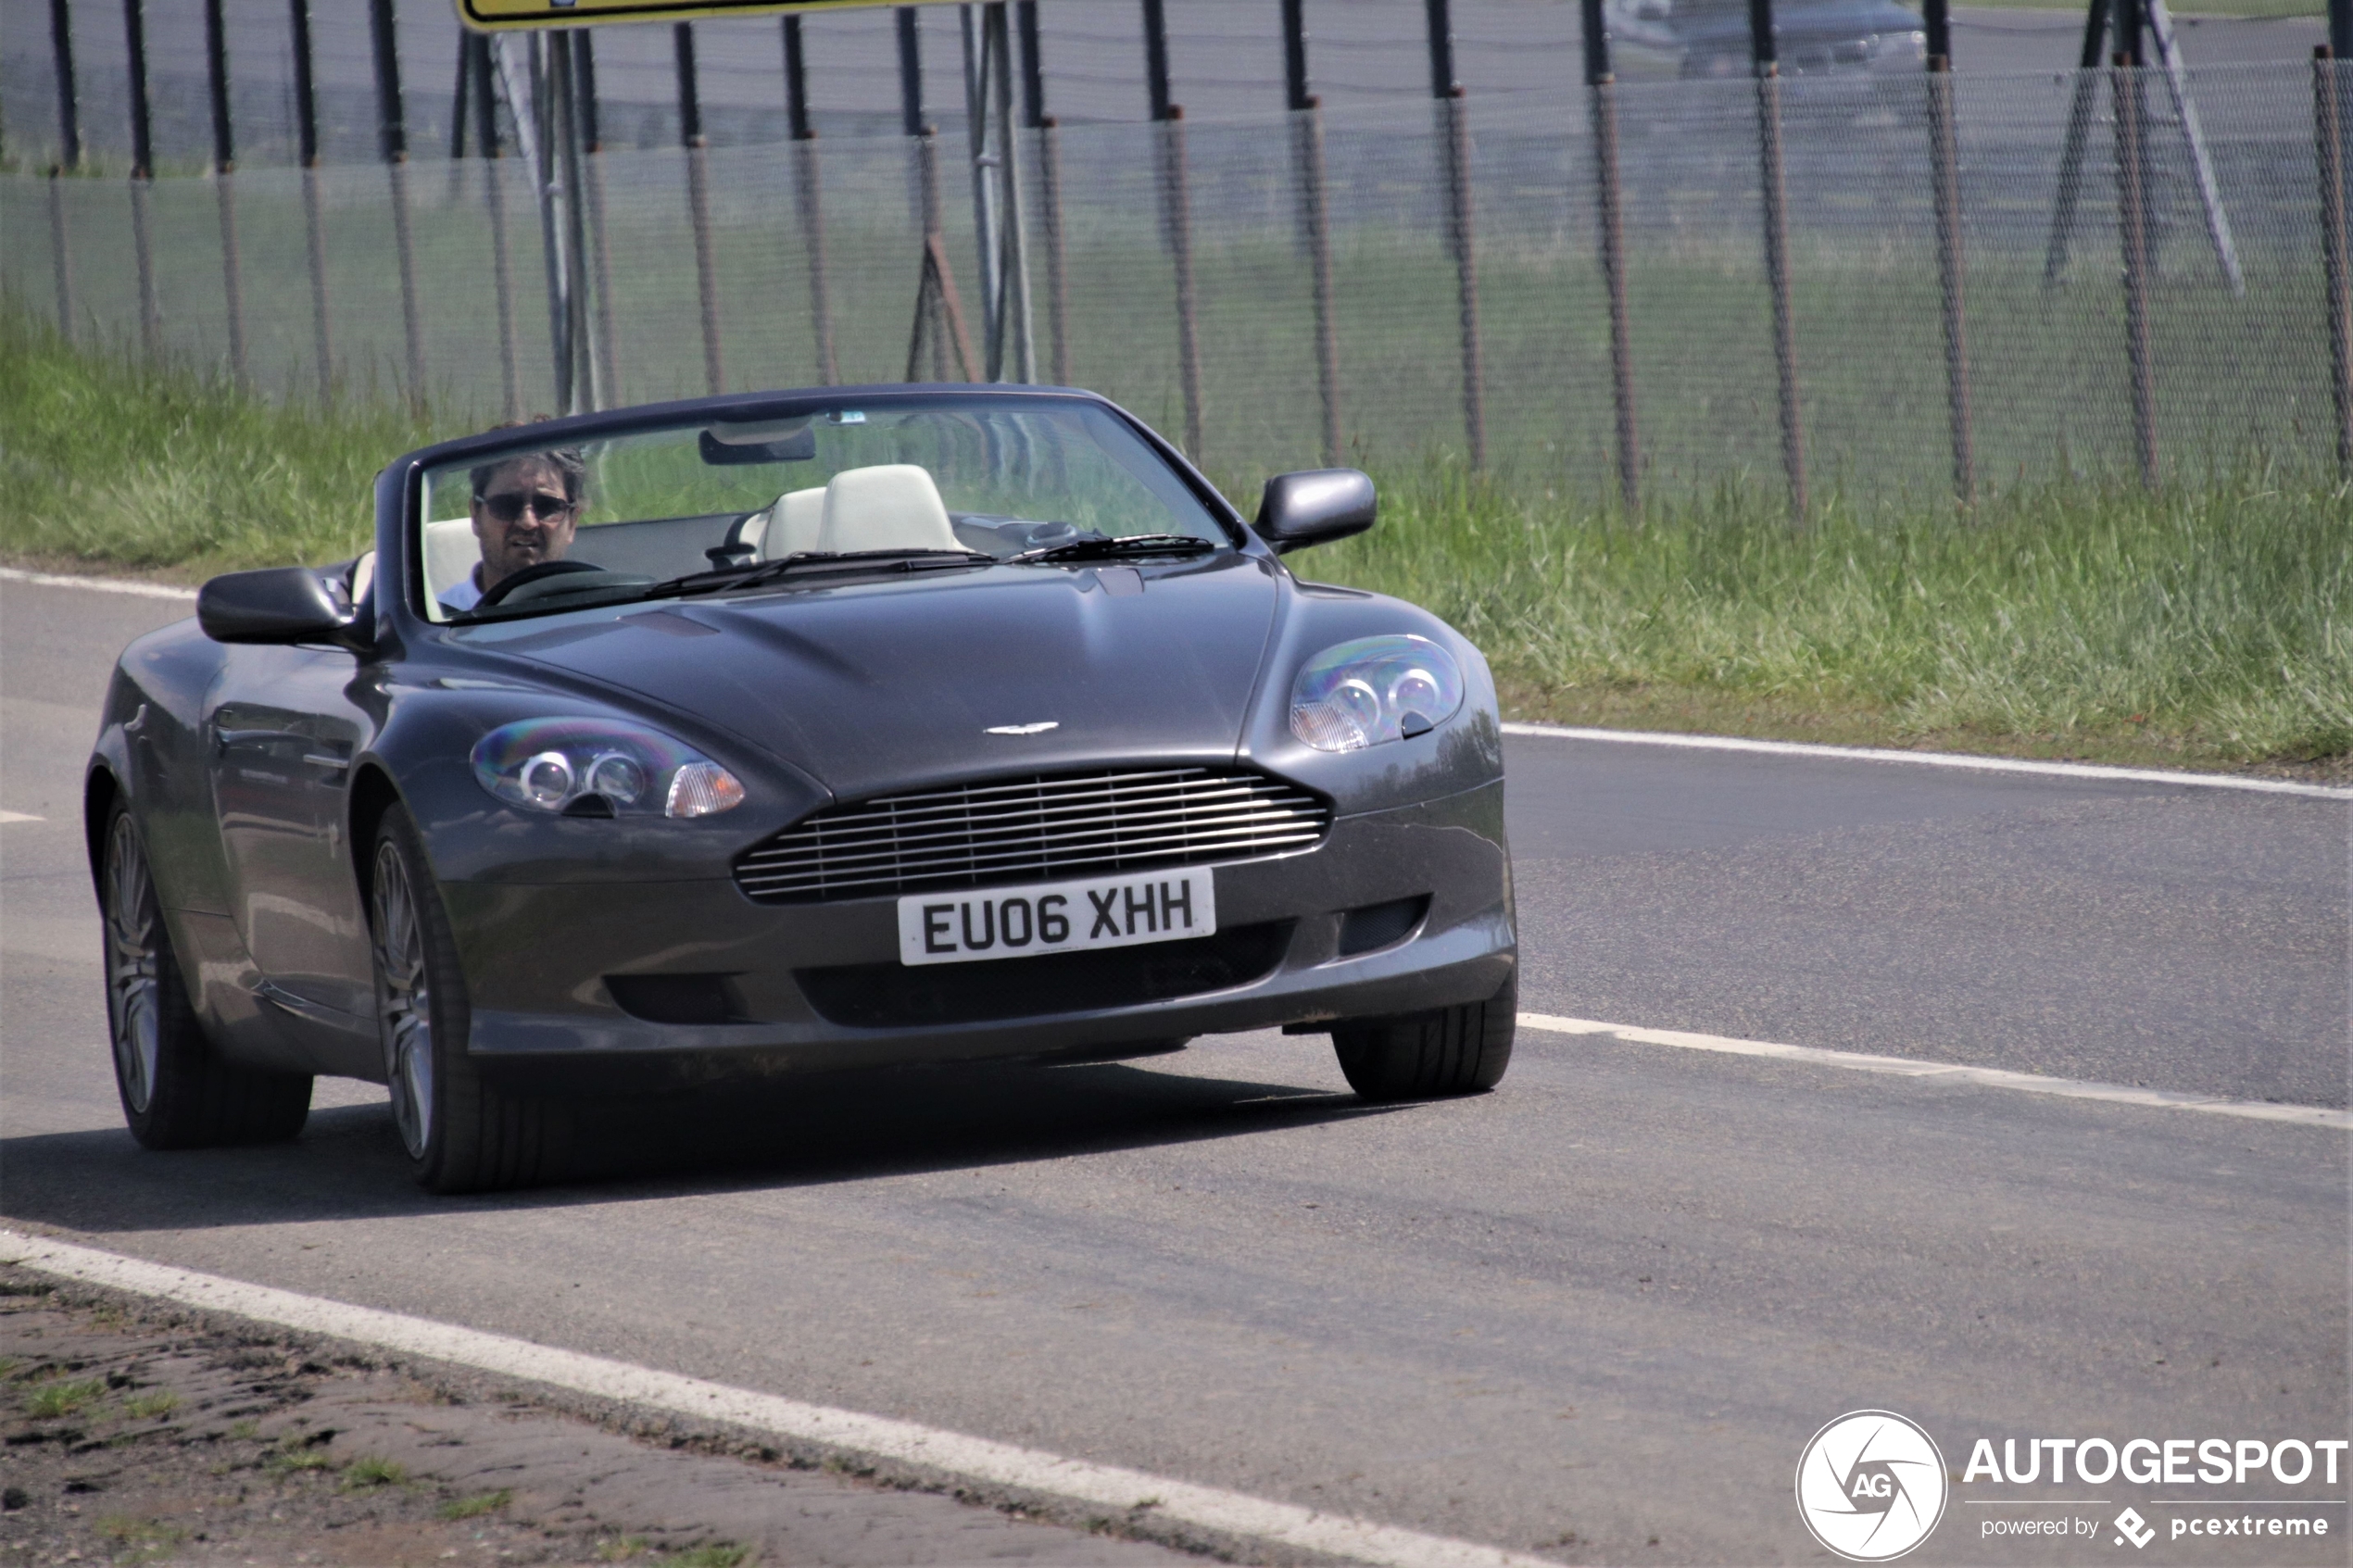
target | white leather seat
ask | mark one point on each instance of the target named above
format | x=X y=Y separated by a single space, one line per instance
x=451 y=554
x=790 y=524
x=888 y=506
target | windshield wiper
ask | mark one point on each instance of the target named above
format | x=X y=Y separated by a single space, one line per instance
x=1130 y=545
x=753 y=574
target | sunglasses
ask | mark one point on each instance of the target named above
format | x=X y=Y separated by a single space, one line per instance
x=512 y=505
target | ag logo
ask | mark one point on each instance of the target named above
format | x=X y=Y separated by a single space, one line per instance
x=1870 y=1486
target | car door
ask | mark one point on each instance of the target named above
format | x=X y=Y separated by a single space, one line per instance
x=281 y=728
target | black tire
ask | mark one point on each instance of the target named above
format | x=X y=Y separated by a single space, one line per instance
x=176 y=1092
x=461 y=1132
x=1457 y=1050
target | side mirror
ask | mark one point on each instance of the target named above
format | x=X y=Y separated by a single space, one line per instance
x=279 y=604
x=1315 y=507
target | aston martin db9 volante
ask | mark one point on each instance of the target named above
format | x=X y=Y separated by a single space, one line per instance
x=781 y=732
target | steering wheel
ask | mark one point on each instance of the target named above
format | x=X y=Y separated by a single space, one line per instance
x=532 y=573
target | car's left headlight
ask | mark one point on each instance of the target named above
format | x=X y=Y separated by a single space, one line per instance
x=600 y=766
x=1374 y=689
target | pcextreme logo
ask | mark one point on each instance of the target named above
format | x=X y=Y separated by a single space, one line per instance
x=1871 y=1486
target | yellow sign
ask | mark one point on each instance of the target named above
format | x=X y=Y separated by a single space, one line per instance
x=488 y=16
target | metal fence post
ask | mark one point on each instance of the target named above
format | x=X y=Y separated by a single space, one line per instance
x=553 y=188
x=1015 y=316
x=923 y=147
x=809 y=193
x=699 y=203
x=1601 y=83
x=2079 y=125
x=2328 y=141
x=394 y=139
x=604 y=388
x=314 y=221
x=1775 y=189
x=2133 y=230
x=143 y=166
x=1945 y=174
x=68 y=156
x=1453 y=139
x=1314 y=216
x=1177 y=218
x=494 y=197
x=224 y=168
x=1049 y=187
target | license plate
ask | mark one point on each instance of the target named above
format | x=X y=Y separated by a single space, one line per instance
x=1056 y=917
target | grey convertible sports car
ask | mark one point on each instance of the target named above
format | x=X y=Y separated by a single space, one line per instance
x=781 y=732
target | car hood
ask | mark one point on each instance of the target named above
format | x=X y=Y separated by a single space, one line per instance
x=892 y=685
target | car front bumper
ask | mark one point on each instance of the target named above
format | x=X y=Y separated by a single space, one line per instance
x=740 y=987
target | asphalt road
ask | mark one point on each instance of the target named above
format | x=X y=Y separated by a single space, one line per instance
x=1595 y=1313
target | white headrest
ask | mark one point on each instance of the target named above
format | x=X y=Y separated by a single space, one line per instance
x=889 y=507
x=451 y=551
x=790 y=524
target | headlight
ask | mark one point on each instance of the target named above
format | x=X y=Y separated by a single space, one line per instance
x=1359 y=694
x=600 y=766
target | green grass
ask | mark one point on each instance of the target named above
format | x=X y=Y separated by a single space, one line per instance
x=718 y=1554
x=2208 y=623
x=293 y=1455
x=136 y=1539
x=153 y=1406
x=477 y=1505
x=2205 y=624
x=103 y=462
x=374 y=1470
x=47 y=1402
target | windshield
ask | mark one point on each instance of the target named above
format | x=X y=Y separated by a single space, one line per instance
x=941 y=482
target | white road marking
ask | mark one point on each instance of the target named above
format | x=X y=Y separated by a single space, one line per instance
x=1938 y=759
x=1564 y=731
x=1989 y=1077
x=927 y=1447
x=98 y=584
x=19 y=816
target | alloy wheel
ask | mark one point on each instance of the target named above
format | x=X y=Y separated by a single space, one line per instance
x=135 y=963
x=404 y=997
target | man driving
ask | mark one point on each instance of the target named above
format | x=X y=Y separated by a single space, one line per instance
x=524 y=510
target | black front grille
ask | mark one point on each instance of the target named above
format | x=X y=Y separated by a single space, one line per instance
x=1047 y=827
x=889 y=996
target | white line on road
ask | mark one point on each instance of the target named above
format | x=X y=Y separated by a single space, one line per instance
x=1101 y=1486
x=1938 y=759
x=1564 y=731
x=1988 y=1077
x=18 y=817
x=98 y=584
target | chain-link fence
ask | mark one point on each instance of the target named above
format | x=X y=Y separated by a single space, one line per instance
x=1378 y=284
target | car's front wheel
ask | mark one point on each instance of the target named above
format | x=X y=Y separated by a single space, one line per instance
x=1457 y=1050
x=461 y=1132
x=176 y=1092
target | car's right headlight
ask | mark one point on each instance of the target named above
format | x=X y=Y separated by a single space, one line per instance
x=1374 y=689
x=600 y=766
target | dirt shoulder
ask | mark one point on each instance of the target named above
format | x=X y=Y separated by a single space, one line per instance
x=125 y=1439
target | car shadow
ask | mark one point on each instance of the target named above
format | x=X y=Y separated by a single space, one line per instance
x=837 y=1127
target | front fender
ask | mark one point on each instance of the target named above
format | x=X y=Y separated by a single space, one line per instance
x=425 y=746
x=150 y=753
x=1460 y=754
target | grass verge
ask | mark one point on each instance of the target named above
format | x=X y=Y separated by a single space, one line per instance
x=2207 y=624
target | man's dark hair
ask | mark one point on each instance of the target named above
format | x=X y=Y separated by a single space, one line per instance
x=566 y=460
